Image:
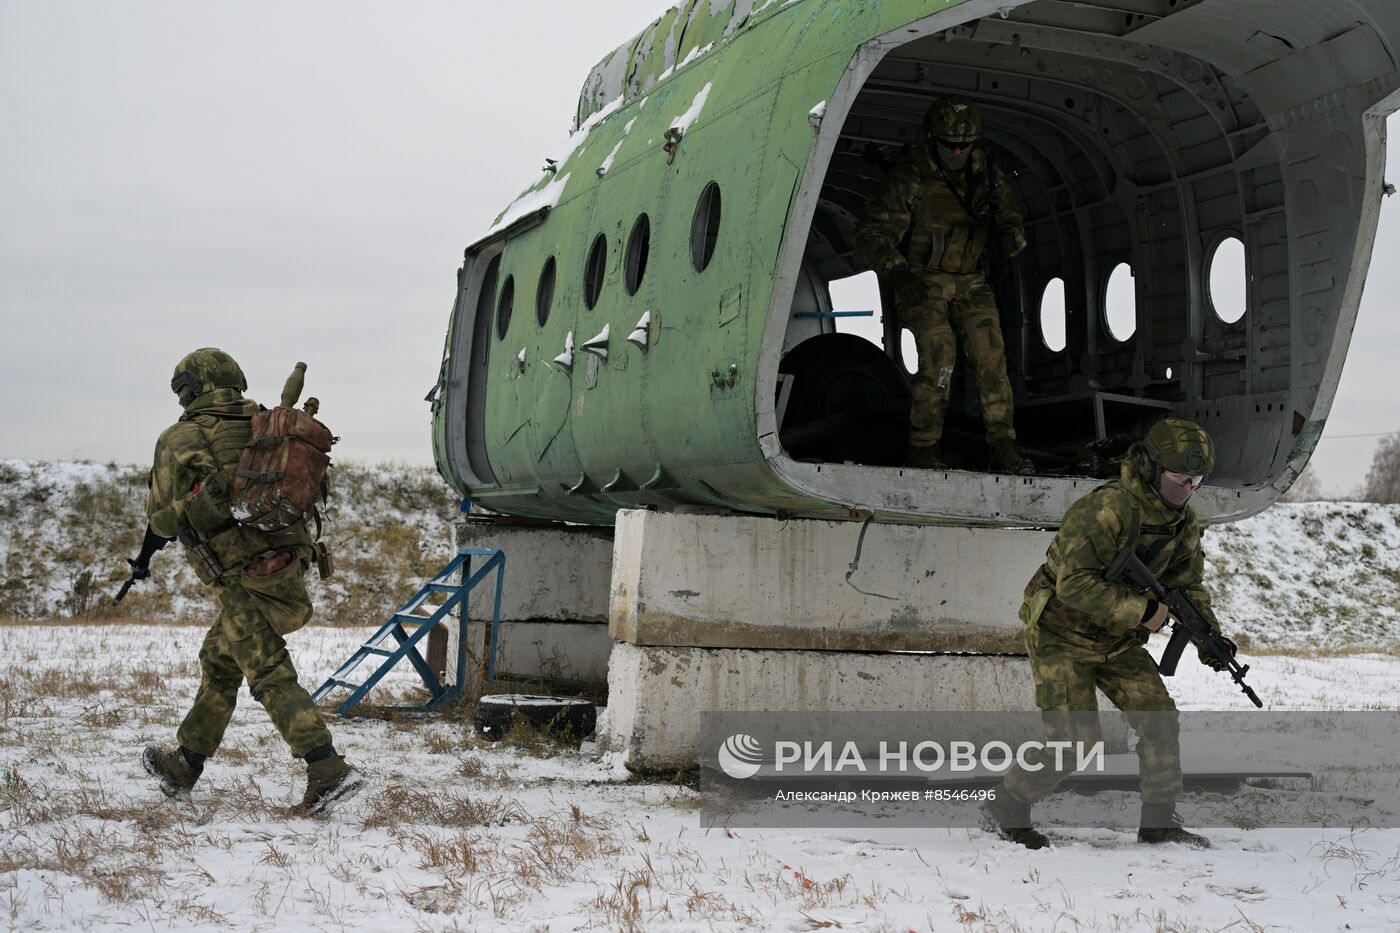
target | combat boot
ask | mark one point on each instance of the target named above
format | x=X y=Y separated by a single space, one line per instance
x=176 y=768
x=1004 y=456
x=1163 y=824
x=328 y=782
x=926 y=458
x=1010 y=819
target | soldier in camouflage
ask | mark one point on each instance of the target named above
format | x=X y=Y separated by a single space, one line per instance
x=258 y=579
x=926 y=233
x=1083 y=632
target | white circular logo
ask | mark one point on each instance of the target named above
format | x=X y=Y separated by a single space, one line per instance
x=740 y=756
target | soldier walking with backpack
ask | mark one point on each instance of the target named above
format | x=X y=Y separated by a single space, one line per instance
x=257 y=576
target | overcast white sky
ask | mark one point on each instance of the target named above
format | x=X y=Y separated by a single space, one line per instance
x=298 y=181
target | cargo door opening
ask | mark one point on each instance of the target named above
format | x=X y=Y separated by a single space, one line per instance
x=1154 y=280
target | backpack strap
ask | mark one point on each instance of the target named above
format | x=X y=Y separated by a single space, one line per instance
x=215 y=413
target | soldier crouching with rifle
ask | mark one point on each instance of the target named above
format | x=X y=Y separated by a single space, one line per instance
x=257 y=577
x=1086 y=628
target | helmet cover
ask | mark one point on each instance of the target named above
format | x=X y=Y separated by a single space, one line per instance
x=203 y=371
x=953 y=118
x=1180 y=446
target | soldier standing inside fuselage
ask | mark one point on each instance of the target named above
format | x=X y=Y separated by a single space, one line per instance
x=257 y=577
x=926 y=234
x=1083 y=632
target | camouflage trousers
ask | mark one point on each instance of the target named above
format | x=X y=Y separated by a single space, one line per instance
x=1066 y=672
x=246 y=642
x=960 y=308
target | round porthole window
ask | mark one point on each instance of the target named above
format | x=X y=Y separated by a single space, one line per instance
x=908 y=351
x=1120 y=303
x=1052 y=315
x=595 y=270
x=504 y=307
x=638 y=248
x=1228 y=279
x=544 y=294
x=704 y=231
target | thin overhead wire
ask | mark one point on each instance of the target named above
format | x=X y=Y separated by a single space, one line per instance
x=1345 y=437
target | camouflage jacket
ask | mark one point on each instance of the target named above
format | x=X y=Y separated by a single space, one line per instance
x=193 y=456
x=942 y=236
x=1069 y=592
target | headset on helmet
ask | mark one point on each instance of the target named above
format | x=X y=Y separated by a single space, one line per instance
x=203 y=371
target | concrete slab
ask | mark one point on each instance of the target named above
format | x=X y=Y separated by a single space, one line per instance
x=554 y=604
x=565 y=650
x=553 y=570
x=750 y=582
x=657 y=694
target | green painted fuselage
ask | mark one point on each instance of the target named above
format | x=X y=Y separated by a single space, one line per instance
x=748 y=99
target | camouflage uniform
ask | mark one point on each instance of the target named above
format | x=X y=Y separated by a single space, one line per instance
x=917 y=223
x=194 y=458
x=1083 y=632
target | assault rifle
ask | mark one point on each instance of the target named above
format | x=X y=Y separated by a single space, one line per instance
x=141 y=564
x=1188 y=625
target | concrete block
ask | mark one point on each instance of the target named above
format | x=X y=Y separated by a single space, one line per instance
x=554 y=604
x=553 y=571
x=656 y=695
x=567 y=650
x=750 y=582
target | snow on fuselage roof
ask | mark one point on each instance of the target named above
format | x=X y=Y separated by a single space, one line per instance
x=687 y=31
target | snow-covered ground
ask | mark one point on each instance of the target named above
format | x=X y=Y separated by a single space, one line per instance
x=456 y=835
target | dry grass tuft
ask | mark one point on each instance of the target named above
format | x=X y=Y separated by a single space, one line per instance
x=398 y=805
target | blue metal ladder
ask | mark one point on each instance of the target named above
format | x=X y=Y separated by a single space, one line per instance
x=407 y=647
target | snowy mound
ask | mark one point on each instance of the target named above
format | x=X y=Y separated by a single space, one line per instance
x=1317 y=575
x=69 y=527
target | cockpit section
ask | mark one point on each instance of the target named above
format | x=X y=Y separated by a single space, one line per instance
x=1199 y=182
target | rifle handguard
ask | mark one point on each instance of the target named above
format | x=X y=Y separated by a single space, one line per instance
x=1186 y=617
x=149 y=545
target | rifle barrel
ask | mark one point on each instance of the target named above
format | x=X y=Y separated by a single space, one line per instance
x=121 y=594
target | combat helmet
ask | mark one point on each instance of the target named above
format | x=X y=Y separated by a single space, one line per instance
x=204 y=371
x=953 y=118
x=1180 y=446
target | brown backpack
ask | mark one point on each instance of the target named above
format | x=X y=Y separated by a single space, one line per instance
x=280 y=471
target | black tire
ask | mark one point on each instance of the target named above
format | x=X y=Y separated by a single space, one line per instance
x=849 y=401
x=567 y=717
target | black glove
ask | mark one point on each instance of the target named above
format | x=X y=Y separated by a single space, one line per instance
x=1211 y=661
x=909 y=288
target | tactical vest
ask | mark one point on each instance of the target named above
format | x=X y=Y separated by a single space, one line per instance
x=943 y=237
x=220 y=544
x=1156 y=545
